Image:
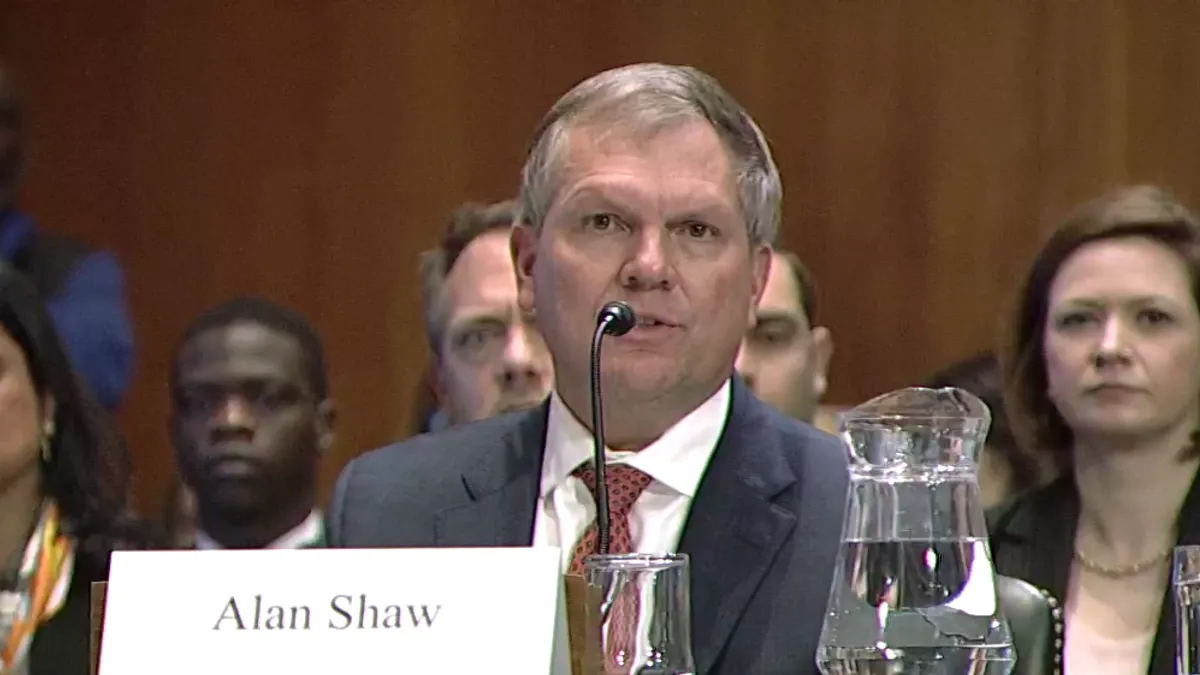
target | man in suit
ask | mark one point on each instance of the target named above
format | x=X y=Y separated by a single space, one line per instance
x=487 y=356
x=251 y=418
x=647 y=184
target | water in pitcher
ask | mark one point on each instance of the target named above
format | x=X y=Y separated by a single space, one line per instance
x=915 y=608
x=1187 y=612
x=914 y=591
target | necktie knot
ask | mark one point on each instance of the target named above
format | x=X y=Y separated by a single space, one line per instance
x=625 y=485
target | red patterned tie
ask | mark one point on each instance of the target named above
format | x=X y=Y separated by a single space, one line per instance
x=625 y=485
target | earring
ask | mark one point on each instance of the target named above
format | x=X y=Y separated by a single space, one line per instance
x=44 y=442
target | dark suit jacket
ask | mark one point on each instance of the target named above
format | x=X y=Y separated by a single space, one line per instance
x=61 y=646
x=762 y=533
x=1033 y=538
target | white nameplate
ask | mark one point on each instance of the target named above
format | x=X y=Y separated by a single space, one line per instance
x=361 y=611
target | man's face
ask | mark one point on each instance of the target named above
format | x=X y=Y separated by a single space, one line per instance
x=783 y=359
x=654 y=222
x=492 y=359
x=247 y=426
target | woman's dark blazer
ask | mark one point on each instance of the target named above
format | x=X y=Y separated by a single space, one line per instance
x=1033 y=538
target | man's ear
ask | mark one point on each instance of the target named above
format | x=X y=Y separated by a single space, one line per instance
x=326 y=423
x=523 y=245
x=760 y=268
x=822 y=354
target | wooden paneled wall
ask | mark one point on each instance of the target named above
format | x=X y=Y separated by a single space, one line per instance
x=309 y=150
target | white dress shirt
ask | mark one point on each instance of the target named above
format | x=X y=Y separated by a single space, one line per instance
x=304 y=534
x=676 y=463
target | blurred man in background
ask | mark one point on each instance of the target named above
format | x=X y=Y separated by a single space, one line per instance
x=488 y=357
x=251 y=419
x=785 y=356
x=84 y=289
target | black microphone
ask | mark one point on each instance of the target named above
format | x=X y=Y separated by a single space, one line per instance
x=615 y=318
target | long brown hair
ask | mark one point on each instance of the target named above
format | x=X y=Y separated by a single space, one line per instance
x=1132 y=211
x=87 y=468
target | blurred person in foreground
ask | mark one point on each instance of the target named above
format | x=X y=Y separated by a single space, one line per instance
x=648 y=184
x=84 y=290
x=64 y=485
x=488 y=357
x=784 y=358
x=1102 y=379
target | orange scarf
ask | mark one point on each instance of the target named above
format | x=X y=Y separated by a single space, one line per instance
x=42 y=585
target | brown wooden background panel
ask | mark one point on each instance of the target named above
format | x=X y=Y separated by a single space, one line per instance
x=310 y=150
x=1163 y=77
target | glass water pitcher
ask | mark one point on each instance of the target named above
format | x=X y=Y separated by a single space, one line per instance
x=914 y=591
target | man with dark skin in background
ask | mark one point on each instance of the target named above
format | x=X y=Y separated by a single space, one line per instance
x=251 y=419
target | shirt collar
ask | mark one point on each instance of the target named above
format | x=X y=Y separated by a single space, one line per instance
x=305 y=534
x=677 y=459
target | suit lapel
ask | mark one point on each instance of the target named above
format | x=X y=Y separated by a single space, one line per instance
x=500 y=490
x=734 y=530
x=1034 y=539
x=1162 y=656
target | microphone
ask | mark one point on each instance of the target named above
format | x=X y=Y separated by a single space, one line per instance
x=615 y=318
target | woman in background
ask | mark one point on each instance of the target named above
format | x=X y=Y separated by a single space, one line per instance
x=1102 y=378
x=64 y=478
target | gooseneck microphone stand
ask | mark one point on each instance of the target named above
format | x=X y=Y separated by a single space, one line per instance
x=615 y=318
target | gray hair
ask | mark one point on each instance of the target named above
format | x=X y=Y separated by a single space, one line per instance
x=646 y=98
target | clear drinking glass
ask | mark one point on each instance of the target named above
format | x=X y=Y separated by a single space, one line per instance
x=1185 y=577
x=645 y=613
x=914 y=590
